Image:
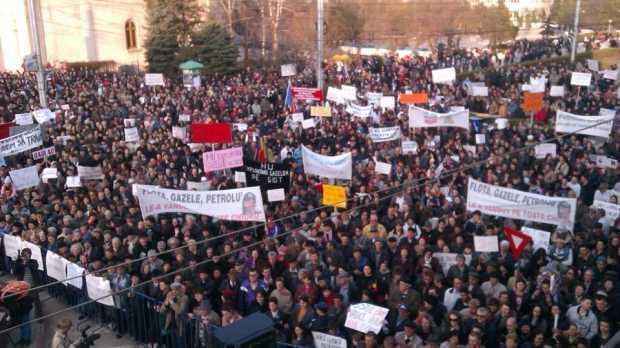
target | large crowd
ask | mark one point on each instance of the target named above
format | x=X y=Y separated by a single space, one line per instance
x=316 y=261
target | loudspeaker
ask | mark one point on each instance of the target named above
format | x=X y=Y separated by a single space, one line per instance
x=253 y=331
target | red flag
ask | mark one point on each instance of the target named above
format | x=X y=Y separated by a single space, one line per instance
x=211 y=133
x=5 y=129
x=517 y=241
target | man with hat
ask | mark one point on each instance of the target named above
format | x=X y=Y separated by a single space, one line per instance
x=404 y=294
x=407 y=338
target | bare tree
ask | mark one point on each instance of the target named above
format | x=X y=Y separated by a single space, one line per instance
x=229 y=7
x=275 y=8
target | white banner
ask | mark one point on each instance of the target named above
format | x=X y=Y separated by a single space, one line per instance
x=374 y=98
x=380 y=135
x=542 y=150
x=297 y=117
x=537 y=84
x=43 y=153
x=556 y=91
x=349 y=92
x=480 y=91
x=359 y=111
x=21 y=142
x=154 y=79
x=540 y=238
x=98 y=287
x=131 y=135
x=515 y=204
x=73 y=182
x=610 y=74
x=25 y=178
x=612 y=211
x=592 y=64
x=90 y=173
x=240 y=177
x=243 y=204
x=486 y=244
x=288 y=70
x=568 y=123
x=580 y=79
x=335 y=95
x=12 y=245
x=449 y=259
x=307 y=123
x=383 y=168
x=421 y=118
x=446 y=75
x=129 y=122
x=603 y=161
x=44 y=115
x=410 y=146
x=365 y=317
x=322 y=340
x=23 y=119
x=388 y=102
x=56 y=265
x=179 y=132
x=75 y=272
x=198 y=185
x=337 y=167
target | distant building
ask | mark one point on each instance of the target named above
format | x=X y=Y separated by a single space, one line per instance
x=521 y=8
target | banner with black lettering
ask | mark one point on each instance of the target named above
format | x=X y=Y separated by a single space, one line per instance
x=515 y=204
x=21 y=142
x=267 y=175
x=244 y=204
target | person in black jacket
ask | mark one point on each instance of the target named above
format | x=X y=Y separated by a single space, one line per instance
x=27 y=269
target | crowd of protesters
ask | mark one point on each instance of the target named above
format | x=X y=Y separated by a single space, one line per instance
x=314 y=262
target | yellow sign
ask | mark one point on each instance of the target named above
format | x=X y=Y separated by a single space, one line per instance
x=335 y=196
x=321 y=111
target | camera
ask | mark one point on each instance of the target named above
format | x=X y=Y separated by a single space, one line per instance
x=88 y=340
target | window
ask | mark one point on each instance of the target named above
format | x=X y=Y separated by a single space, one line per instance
x=130 y=34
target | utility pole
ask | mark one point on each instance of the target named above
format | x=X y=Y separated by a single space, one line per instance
x=575 y=32
x=36 y=49
x=320 y=22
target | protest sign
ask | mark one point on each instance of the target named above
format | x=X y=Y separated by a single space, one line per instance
x=307 y=123
x=410 y=146
x=446 y=260
x=592 y=64
x=598 y=126
x=241 y=127
x=388 y=102
x=556 y=91
x=540 y=238
x=222 y=159
x=537 y=84
x=606 y=112
x=21 y=129
x=35 y=253
x=335 y=95
x=359 y=111
x=44 y=153
x=56 y=265
x=74 y=275
x=243 y=204
x=129 y=122
x=349 y=92
x=240 y=177
x=131 y=135
x=610 y=74
x=304 y=93
x=321 y=111
x=486 y=244
x=90 y=173
x=288 y=70
x=421 y=118
x=542 y=150
x=25 y=178
x=154 y=79
x=501 y=123
x=179 y=132
x=65 y=107
x=514 y=204
x=12 y=245
x=532 y=102
x=297 y=117
x=276 y=195
x=198 y=185
x=413 y=98
x=366 y=317
x=334 y=195
x=98 y=289
x=380 y=135
x=612 y=211
x=337 y=167
x=267 y=175
x=44 y=115
x=49 y=173
x=580 y=79
x=446 y=75
x=603 y=161
x=374 y=98
x=480 y=91
x=383 y=168
x=74 y=181
x=480 y=139
x=322 y=340
x=21 y=142
x=185 y=118
x=23 y=119
x=211 y=133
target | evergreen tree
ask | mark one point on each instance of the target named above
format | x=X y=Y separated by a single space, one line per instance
x=213 y=47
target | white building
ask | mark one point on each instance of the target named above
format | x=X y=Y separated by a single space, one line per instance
x=520 y=8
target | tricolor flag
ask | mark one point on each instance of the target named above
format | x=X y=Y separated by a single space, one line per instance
x=289 y=101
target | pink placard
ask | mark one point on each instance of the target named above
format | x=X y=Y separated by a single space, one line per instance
x=222 y=159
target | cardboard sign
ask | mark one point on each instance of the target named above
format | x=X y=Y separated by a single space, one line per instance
x=276 y=195
x=24 y=119
x=542 y=150
x=580 y=79
x=288 y=70
x=43 y=153
x=185 y=118
x=446 y=75
x=132 y=135
x=532 y=102
x=154 y=79
x=222 y=159
x=413 y=98
x=610 y=74
x=98 y=289
x=241 y=127
x=333 y=195
x=90 y=173
x=321 y=111
x=307 y=123
x=410 y=147
x=366 y=317
x=486 y=244
x=335 y=95
x=322 y=340
x=556 y=91
x=383 y=168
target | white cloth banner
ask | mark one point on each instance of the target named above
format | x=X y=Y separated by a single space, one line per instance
x=359 y=111
x=74 y=275
x=242 y=204
x=335 y=95
x=383 y=168
x=35 y=253
x=541 y=151
x=556 y=91
x=374 y=98
x=515 y=204
x=588 y=125
x=90 y=173
x=421 y=118
x=179 y=132
x=380 y=135
x=540 y=238
x=23 y=119
x=99 y=287
x=154 y=79
x=336 y=167
x=322 y=340
x=21 y=142
x=25 y=178
x=446 y=75
x=580 y=79
x=365 y=317
x=131 y=135
x=486 y=244
x=56 y=265
x=410 y=146
x=288 y=70
x=612 y=211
